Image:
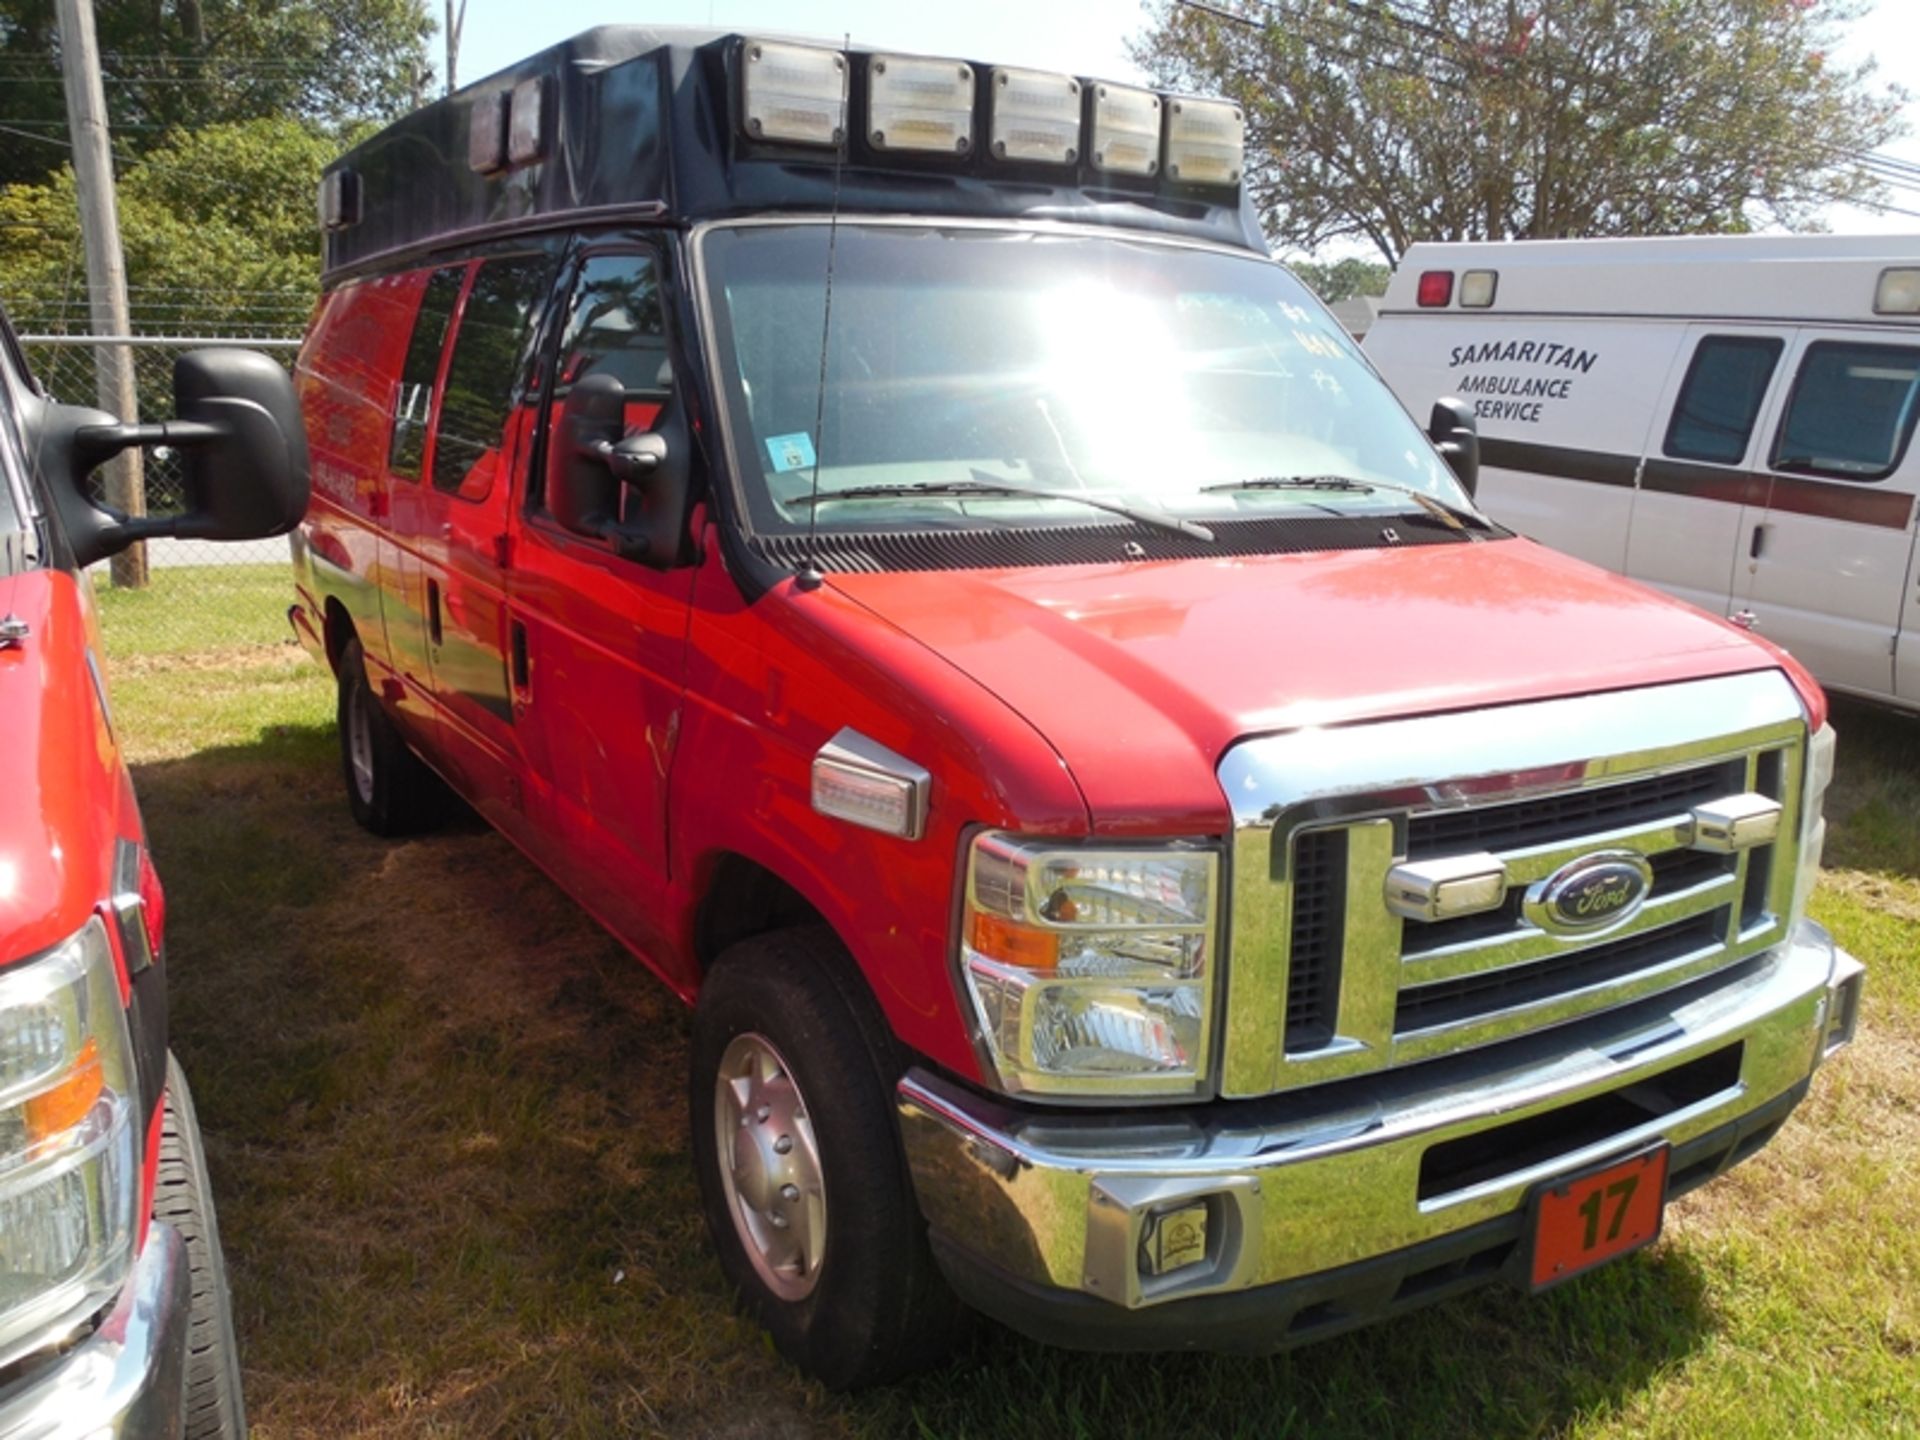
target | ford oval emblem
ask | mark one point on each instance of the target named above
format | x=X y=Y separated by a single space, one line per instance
x=1595 y=892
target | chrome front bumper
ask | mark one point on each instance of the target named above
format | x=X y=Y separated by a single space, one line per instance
x=127 y=1379
x=1029 y=1208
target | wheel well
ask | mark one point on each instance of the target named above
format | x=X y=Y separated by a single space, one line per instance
x=744 y=899
x=339 y=630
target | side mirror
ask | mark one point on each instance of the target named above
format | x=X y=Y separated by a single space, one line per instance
x=591 y=462
x=1456 y=435
x=238 y=431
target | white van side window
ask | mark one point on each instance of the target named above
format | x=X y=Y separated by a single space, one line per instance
x=1851 y=412
x=1720 y=398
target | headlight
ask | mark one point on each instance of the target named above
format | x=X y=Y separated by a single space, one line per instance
x=1090 y=970
x=1813 y=824
x=68 y=1178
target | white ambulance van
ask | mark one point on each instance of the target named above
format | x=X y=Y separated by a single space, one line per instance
x=1728 y=418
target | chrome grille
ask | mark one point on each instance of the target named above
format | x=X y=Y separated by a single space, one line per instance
x=1322 y=817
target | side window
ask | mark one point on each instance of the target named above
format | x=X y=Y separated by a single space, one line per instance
x=1851 y=412
x=1720 y=398
x=614 y=326
x=471 y=433
x=418 y=370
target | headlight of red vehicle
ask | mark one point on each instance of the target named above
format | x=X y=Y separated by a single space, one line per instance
x=1091 y=968
x=68 y=1174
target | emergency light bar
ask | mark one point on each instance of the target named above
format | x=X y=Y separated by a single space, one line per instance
x=795 y=93
x=1206 y=142
x=798 y=95
x=917 y=104
x=1036 y=116
x=1126 y=130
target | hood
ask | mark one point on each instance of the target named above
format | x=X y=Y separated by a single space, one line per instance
x=59 y=784
x=1141 y=675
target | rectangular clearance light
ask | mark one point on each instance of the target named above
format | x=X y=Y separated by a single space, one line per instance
x=487 y=133
x=1126 y=130
x=796 y=93
x=1898 y=293
x=523 y=122
x=919 y=104
x=1206 y=142
x=1036 y=116
x=1477 y=288
x=339 y=200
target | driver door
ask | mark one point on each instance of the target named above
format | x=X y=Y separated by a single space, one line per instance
x=599 y=642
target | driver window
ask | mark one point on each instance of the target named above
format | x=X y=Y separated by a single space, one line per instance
x=614 y=326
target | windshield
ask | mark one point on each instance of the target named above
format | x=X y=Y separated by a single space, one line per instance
x=985 y=361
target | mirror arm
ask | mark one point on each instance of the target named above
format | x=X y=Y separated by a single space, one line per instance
x=628 y=465
x=95 y=443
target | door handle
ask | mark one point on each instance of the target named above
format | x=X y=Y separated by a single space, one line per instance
x=1759 y=542
x=519 y=657
x=433 y=610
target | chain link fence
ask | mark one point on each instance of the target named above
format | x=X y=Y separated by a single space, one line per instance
x=200 y=594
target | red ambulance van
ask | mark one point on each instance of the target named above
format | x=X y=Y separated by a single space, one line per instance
x=1149 y=859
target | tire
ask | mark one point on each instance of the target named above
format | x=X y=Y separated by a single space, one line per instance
x=389 y=789
x=183 y=1198
x=847 y=1287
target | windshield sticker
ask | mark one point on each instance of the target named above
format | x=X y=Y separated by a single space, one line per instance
x=791 y=452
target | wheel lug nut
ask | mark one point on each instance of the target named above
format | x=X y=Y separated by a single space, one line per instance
x=762 y=1113
x=778 y=1220
x=783 y=1145
x=789 y=1193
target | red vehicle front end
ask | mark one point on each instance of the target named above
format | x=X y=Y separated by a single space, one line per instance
x=114 y=1317
x=1149 y=858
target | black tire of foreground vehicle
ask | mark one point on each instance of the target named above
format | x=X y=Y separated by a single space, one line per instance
x=389 y=789
x=877 y=1307
x=183 y=1198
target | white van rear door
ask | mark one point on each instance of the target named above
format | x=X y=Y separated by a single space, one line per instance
x=1825 y=549
x=1562 y=405
x=1708 y=433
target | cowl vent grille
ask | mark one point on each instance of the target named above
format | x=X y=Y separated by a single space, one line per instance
x=871 y=552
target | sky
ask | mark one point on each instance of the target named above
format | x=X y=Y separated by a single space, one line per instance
x=1087 y=37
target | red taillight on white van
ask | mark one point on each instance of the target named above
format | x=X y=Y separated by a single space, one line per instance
x=1436 y=289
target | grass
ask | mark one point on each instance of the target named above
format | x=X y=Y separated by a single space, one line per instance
x=446 y=1122
x=190 y=609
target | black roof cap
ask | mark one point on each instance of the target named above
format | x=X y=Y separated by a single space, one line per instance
x=636 y=123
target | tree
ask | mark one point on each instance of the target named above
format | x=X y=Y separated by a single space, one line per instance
x=1342 y=279
x=1400 y=120
x=218 y=225
x=171 y=65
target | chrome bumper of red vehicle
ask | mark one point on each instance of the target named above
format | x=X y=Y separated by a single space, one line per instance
x=126 y=1381
x=1028 y=1208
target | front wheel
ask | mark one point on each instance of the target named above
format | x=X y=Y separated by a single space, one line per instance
x=183 y=1198
x=801 y=1173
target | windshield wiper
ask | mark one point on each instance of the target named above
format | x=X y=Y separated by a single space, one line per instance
x=987 y=485
x=1450 y=516
x=1290 y=482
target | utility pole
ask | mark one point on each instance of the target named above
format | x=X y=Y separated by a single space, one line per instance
x=106 y=269
x=455 y=21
